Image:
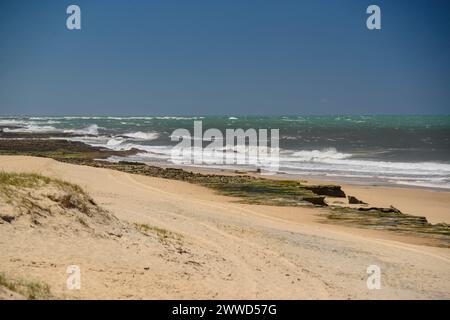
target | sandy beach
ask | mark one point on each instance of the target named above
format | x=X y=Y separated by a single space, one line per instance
x=220 y=150
x=222 y=249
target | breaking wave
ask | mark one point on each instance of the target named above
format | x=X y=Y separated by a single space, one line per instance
x=142 y=135
x=319 y=155
x=90 y=130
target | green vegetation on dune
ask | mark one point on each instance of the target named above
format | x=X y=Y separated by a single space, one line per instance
x=163 y=234
x=31 y=290
x=33 y=195
x=25 y=180
x=32 y=180
x=166 y=237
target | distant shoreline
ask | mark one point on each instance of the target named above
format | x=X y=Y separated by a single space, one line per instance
x=394 y=151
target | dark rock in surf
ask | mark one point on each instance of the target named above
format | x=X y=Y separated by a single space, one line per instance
x=354 y=200
x=318 y=201
x=384 y=210
x=327 y=190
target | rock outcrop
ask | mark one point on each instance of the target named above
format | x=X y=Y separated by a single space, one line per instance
x=327 y=190
x=354 y=200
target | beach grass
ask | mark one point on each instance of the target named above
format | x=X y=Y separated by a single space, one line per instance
x=9 y=180
x=33 y=290
x=164 y=235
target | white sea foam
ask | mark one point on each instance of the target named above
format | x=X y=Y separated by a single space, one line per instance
x=421 y=183
x=328 y=162
x=12 y=122
x=319 y=155
x=37 y=126
x=91 y=129
x=332 y=159
x=142 y=135
x=30 y=128
x=46 y=120
x=178 y=118
x=114 y=142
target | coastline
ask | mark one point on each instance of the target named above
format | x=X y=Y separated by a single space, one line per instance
x=426 y=202
x=379 y=150
x=432 y=203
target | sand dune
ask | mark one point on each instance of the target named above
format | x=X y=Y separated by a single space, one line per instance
x=215 y=247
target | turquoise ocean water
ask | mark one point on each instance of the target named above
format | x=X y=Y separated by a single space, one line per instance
x=397 y=150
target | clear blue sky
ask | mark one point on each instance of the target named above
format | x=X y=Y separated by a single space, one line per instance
x=215 y=57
